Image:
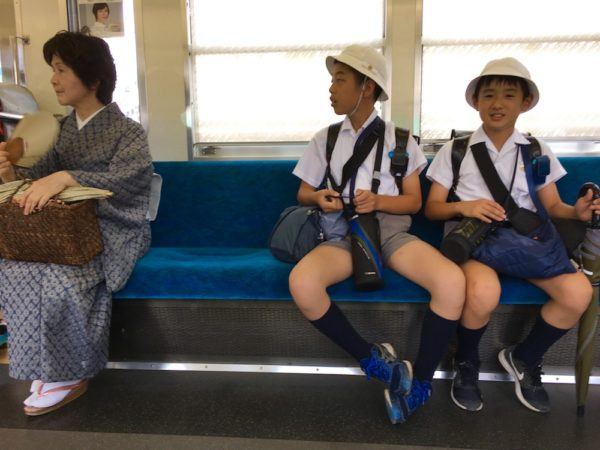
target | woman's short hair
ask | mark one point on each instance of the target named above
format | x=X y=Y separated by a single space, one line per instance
x=97 y=7
x=89 y=57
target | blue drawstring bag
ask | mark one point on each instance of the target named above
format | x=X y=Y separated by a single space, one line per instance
x=538 y=254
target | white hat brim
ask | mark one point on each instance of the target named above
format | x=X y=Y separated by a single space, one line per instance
x=355 y=64
x=533 y=90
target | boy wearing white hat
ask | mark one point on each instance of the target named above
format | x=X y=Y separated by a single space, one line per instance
x=359 y=79
x=501 y=93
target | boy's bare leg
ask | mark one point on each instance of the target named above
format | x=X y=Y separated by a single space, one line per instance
x=570 y=294
x=427 y=267
x=424 y=265
x=482 y=297
x=483 y=294
x=321 y=268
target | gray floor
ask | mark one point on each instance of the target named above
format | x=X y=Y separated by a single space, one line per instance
x=148 y=409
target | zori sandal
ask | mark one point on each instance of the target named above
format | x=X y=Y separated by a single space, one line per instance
x=42 y=398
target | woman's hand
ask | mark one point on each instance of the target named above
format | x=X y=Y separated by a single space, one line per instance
x=41 y=191
x=365 y=201
x=7 y=171
x=484 y=210
x=585 y=206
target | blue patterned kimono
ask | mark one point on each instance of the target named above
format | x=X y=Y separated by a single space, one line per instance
x=59 y=316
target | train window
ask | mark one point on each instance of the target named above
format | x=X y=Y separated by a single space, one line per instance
x=258 y=68
x=558 y=42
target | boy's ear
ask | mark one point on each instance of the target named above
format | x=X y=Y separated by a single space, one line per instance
x=526 y=102
x=370 y=88
x=475 y=102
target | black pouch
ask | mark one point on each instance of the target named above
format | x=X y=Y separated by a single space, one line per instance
x=524 y=221
x=366 y=252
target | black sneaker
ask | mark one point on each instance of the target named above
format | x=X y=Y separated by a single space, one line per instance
x=528 y=381
x=465 y=390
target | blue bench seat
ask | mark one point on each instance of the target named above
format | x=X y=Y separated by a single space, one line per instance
x=209 y=240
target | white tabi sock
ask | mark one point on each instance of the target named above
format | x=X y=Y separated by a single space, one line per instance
x=40 y=398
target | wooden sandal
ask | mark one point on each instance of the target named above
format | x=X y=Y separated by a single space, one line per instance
x=77 y=390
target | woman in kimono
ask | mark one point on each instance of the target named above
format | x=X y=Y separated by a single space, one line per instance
x=58 y=316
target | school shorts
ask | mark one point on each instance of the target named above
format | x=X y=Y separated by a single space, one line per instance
x=393 y=231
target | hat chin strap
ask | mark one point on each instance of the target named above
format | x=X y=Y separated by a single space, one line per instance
x=360 y=97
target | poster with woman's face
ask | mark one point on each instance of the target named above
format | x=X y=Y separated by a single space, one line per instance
x=102 y=19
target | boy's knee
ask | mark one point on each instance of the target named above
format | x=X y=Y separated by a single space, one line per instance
x=450 y=288
x=580 y=297
x=482 y=296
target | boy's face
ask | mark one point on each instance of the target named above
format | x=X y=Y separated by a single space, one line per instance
x=344 y=90
x=499 y=105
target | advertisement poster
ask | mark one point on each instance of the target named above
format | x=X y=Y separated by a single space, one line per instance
x=102 y=19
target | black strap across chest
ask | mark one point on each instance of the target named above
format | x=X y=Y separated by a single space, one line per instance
x=375 y=132
x=459 y=150
x=398 y=157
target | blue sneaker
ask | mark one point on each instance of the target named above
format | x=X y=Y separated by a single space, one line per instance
x=384 y=366
x=399 y=407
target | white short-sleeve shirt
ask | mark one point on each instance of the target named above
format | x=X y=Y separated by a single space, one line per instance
x=471 y=185
x=311 y=166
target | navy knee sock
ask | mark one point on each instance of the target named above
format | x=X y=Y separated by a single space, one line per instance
x=435 y=337
x=336 y=327
x=468 y=343
x=539 y=340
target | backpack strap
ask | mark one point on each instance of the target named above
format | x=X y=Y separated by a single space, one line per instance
x=399 y=157
x=362 y=149
x=535 y=150
x=376 y=180
x=459 y=150
x=332 y=134
x=540 y=163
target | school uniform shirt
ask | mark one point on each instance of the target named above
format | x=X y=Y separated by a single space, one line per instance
x=471 y=185
x=312 y=165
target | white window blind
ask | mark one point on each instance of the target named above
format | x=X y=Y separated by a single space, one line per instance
x=258 y=68
x=559 y=42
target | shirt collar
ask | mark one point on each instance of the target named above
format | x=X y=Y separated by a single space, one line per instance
x=516 y=138
x=347 y=125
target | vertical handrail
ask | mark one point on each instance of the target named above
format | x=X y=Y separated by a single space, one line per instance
x=18 y=74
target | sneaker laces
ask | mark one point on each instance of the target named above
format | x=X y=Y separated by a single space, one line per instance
x=419 y=394
x=377 y=366
x=468 y=372
x=535 y=375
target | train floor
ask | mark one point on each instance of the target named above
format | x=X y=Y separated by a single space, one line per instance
x=170 y=409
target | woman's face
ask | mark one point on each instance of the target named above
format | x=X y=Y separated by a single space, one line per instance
x=102 y=15
x=69 y=89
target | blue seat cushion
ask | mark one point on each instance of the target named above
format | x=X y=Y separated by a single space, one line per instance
x=230 y=273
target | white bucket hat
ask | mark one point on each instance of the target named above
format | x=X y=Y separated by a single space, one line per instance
x=505 y=66
x=367 y=61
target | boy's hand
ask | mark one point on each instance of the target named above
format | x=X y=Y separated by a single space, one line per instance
x=484 y=210
x=329 y=200
x=7 y=172
x=585 y=206
x=365 y=201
